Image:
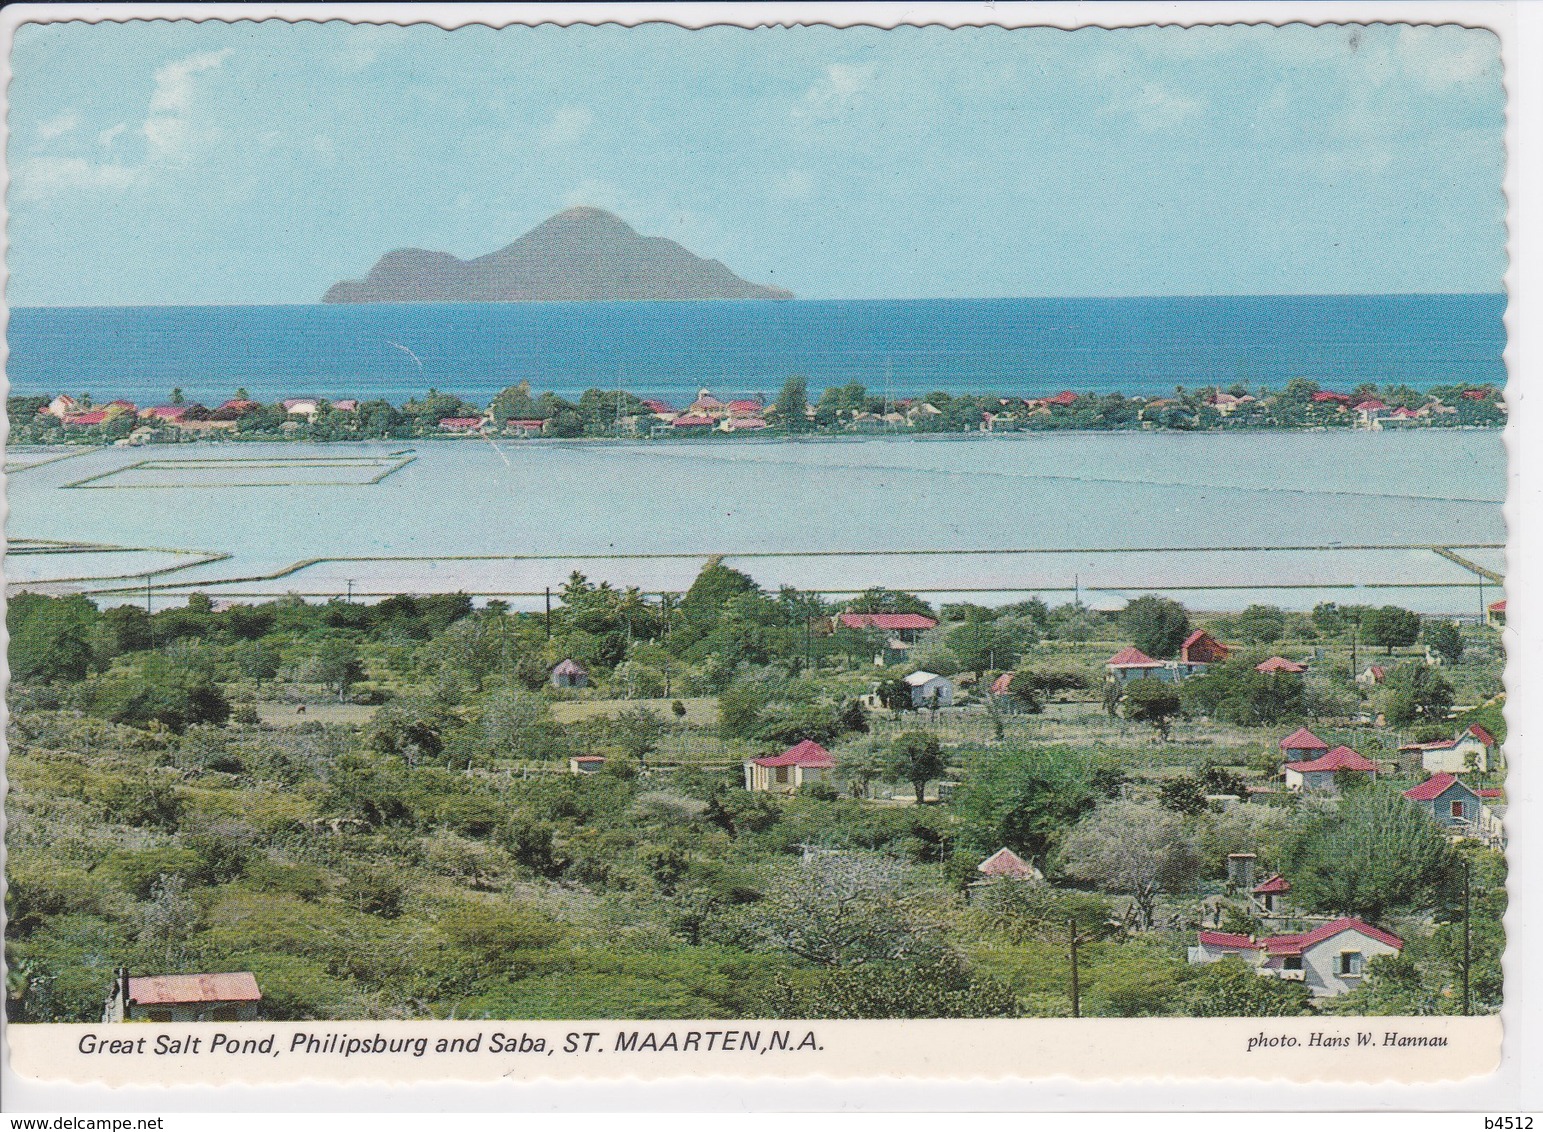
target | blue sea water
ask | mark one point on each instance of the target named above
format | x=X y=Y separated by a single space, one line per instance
x=669 y=350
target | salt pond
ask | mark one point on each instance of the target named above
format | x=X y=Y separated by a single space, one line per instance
x=1219 y=520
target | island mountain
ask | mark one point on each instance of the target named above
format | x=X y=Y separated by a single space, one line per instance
x=580 y=255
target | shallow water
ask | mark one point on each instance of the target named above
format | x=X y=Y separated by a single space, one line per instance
x=1122 y=514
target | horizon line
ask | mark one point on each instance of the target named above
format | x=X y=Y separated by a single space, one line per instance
x=1501 y=293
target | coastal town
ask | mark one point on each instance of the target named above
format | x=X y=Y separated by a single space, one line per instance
x=749 y=803
x=517 y=413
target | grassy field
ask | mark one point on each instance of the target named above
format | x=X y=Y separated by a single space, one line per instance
x=701 y=711
x=288 y=715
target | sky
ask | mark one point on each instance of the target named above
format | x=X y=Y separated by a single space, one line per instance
x=259 y=162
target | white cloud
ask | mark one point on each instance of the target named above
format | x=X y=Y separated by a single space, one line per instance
x=1445 y=56
x=169 y=130
x=836 y=90
x=174 y=82
x=39 y=178
x=59 y=126
x=567 y=126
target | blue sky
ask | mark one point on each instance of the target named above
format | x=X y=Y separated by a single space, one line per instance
x=183 y=163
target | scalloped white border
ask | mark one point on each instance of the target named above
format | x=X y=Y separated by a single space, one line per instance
x=1511 y=1089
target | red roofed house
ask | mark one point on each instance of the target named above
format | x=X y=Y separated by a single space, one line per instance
x=168 y=413
x=742 y=424
x=1002 y=685
x=61 y=407
x=1324 y=396
x=1470 y=751
x=1331 y=959
x=346 y=405
x=1199 y=650
x=692 y=420
x=1279 y=664
x=746 y=408
x=1369 y=413
x=460 y=424
x=1063 y=399
x=1005 y=863
x=586 y=764
x=1131 y=663
x=529 y=426
x=905 y=626
x=1302 y=745
x=1319 y=774
x=85 y=420
x=1494 y=614
x=785 y=773
x=235 y=408
x=230 y=997
x=1270 y=893
x=1451 y=804
x=654 y=405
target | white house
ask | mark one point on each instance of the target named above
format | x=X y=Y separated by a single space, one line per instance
x=1331 y=959
x=1319 y=773
x=798 y=766
x=1469 y=752
x=928 y=689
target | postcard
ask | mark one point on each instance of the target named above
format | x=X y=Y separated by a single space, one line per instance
x=544 y=546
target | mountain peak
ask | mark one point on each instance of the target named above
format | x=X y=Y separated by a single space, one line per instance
x=582 y=254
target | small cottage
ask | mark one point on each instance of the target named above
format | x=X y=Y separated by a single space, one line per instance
x=1004 y=863
x=1199 y=651
x=1494 y=614
x=1269 y=894
x=929 y=690
x=798 y=766
x=1132 y=664
x=1372 y=675
x=569 y=673
x=1469 y=752
x=1331 y=959
x=1280 y=666
x=229 y=997
x=1320 y=773
x=586 y=764
x=1453 y=805
x=1302 y=746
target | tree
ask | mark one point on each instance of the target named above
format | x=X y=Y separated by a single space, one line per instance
x=1156 y=625
x=1236 y=692
x=1262 y=624
x=50 y=637
x=1152 y=701
x=1134 y=849
x=917 y=758
x=1369 y=854
x=793 y=404
x=941 y=988
x=1023 y=799
x=1415 y=691
x=1229 y=988
x=336 y=663
x=1444 y=639
x=1390 y=627
x=1183 y=795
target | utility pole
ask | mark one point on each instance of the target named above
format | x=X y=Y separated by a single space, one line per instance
x=549 y=613
x=1467 y=940
x=350 y=591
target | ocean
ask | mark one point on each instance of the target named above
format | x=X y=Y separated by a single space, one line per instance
x=1026 y=347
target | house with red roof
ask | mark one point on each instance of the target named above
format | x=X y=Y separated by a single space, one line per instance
x=1199 y=650
x=86 y=419
x=1302 y=745
x=1326 y=397
x=742 y=424
x=235 y=409
x=1321 y=774
x=1064 y=399
x=60 y=407
x=1130 y=663
x=164 y=414
x=796 y=767
x=692 y=420
x=1472 y=750
x=1005 y=864
x=228 y=997
x=586 y=764
x=1279 y=665
x=1369 y=413
x=460 y=425
x=906 y=626
x=1494 y=614
x=525 y=426
x=1269 y=894
x=1453 y=805
x=1330 y=960
x=301 y=406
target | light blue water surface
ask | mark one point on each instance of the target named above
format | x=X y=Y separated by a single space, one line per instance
x=1076 y=494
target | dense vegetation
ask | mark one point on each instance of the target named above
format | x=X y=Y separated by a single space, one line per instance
x=414 y=846
x=617 y=412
